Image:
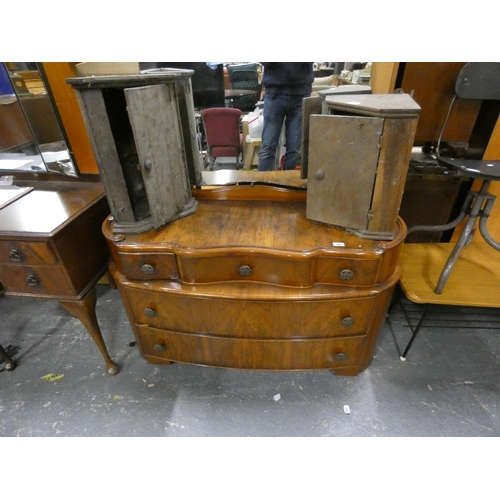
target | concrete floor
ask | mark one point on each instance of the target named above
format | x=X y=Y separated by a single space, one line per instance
x=449 y=384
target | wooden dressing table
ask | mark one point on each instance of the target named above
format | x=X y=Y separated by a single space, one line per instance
x=249 y=282
x=51 y=246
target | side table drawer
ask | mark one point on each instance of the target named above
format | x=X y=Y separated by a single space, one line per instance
x=26 y=253
x=245 y=267
x=148 y=266
x=289 y=354
x=35 y=280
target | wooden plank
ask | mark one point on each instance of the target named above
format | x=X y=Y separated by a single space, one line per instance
x=474 y=280
x=383 y=77
x=310 y=106
x=343 y=196
x=101 y=137
x=155 y=122
x=396 y=146
x=185 y=102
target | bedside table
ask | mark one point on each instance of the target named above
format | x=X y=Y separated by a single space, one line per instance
x=51 y=247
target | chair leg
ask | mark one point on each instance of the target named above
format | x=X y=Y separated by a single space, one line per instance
x=463 y=240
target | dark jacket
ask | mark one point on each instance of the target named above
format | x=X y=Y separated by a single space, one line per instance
x=288 y=77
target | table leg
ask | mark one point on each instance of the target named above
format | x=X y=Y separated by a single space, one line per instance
x=10 y=364
x=84 y=310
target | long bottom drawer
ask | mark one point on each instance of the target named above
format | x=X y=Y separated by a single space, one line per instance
x=343 y=355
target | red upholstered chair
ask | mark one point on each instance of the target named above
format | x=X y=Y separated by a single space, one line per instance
x=222 y=130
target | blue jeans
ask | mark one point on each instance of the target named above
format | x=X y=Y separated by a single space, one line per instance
x=279 y=109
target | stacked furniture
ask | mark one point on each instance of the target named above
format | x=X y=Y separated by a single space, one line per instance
x=249 y=279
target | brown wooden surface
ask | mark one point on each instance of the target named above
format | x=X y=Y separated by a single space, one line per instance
x=293 y=312
x=51 y=246
x=71 y=116
x=474 y=280
x=433 y=87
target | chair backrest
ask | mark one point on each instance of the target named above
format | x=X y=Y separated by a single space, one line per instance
x=476 y=80
x=245 y=79
x=222 y=127
x=479 y=80
x=240 y=67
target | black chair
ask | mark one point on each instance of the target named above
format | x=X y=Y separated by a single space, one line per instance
x=480 y=81
x=245 y=77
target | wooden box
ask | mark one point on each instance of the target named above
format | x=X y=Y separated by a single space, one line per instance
x=358 y=159
x=143 y=133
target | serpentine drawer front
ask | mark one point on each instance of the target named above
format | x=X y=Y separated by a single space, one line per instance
x=202 y=248
x=297 y=354
x=282 y=315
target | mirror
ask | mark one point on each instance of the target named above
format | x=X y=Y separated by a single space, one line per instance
x=31 y=138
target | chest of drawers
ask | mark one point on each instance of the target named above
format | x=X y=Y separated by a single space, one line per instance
x=255 y=285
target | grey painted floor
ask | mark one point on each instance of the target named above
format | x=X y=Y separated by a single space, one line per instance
x=449 y=384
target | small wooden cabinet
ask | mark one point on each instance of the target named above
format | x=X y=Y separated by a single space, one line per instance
x=142 y=129
x=51 y=246
x=255 y=285
x=358 y=158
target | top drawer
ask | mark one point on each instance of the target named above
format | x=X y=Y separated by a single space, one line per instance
x=26 y=253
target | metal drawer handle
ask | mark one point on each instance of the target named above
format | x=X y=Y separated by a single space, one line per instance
x=341 y=356
x=148 y=269
x=159 y=347
x=348 y=321
x=346 y=274
x=245 y=270
x=32 y=279
x=15 y=254
x=150 y=312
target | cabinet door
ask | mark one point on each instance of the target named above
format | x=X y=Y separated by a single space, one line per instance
x=343 y=158
x=155 y=121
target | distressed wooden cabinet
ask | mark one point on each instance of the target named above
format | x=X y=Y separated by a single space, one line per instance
x=358 y=158
x=143 y=133
x=255 y=285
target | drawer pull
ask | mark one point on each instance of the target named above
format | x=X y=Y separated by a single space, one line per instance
x=346 y=274
x=15 y=254
x=245 y=271
x=150 y=312
x=341 y=356
x=348 y=321
x=148 y=269
x=32 y=279
x=159 y=347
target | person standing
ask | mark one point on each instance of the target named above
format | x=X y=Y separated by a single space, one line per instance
x=286 y=84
